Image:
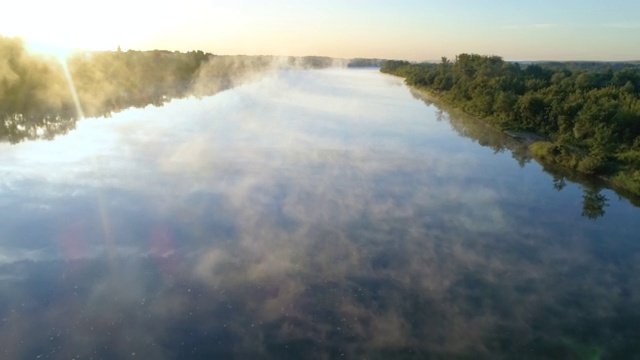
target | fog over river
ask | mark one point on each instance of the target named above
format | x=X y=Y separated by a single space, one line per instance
x=308 y=214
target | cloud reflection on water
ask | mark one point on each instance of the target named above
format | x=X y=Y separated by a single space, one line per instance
x=269 y=226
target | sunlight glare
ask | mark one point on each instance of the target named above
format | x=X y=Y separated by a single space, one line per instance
x=72 y=88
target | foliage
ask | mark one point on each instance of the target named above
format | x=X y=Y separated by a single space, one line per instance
x=109 y=81
x=37 y=92
x=41 y=97
x=590 y=111
x=361 y=62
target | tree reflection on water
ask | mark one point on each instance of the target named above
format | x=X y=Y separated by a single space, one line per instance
x=593 y=203
x=37 y=101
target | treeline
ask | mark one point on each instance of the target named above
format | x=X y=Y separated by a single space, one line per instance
x=110 y=81
x=589 y=65
x=361 y=62
x=592 y=117
x=41 y=97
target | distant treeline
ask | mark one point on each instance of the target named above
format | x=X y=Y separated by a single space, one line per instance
x=588 y=65
x=359 y=62
x=592 y=117
x=38 y=94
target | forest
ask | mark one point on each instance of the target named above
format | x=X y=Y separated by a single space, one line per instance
x=582 y=116
x=43 y=96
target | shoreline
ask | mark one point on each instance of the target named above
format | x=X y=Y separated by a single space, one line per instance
x=528 y=139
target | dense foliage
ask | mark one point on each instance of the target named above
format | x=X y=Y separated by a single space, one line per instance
x=361 y=62
x=41 y=96
x=590 y=113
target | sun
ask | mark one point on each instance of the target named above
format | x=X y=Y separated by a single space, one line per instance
x=59 y=27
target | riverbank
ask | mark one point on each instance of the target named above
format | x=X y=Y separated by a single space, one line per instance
x=553 y=157
x=622 y=181
x=589 y=118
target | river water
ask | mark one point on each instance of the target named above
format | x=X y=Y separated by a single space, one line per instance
x=308 y=214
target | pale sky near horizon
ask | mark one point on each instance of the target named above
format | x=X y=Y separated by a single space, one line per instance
x=401 y=29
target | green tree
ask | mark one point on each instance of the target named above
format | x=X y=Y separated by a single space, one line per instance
x=593 y=203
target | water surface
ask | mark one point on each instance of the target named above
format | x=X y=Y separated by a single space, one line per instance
x=308 y=214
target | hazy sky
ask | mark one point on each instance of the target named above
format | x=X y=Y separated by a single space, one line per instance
x=403 y=29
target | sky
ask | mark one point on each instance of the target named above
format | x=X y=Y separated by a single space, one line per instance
x=400 y=29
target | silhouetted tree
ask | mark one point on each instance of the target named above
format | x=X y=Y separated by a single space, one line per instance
x=593 y=203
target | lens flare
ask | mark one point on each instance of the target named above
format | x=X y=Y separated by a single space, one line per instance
x=72 y=88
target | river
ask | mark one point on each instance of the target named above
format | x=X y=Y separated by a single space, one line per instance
x=308 y=214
